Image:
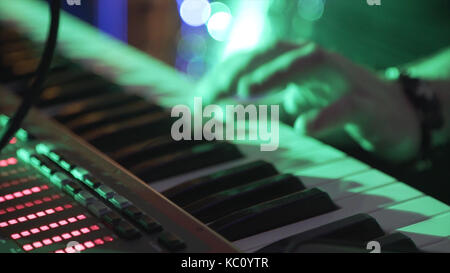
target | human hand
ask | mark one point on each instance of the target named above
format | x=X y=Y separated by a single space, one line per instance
x=322 y=92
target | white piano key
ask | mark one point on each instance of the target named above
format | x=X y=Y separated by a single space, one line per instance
x=329 y=172
x=409 y=212
x=429 y=231
x=442 y=246
x=354 y=184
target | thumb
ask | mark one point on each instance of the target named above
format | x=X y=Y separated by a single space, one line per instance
x=320 y=122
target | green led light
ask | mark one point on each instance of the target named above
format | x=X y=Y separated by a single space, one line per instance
x=79 y=173
x=3 y=120
x=43 y=148
x=22 y=135
x=45 y=170
x=24 y=155
x=54 y=156
x=65 y=165
x=35 y=161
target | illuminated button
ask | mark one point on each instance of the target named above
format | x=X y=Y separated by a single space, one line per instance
x=105 y=191
x=133 y=211
x=65 y=164
x=149 y=224
x=85 y=198
x=119 y=201
x=79 y=172
x=126 y=230
x=91 y=182
x=35 y=161
x=72 y=188
x=171 y=241
x=60 y=179
x=112 y=218
x=98 y=209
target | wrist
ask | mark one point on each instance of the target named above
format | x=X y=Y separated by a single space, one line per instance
x=442 y=91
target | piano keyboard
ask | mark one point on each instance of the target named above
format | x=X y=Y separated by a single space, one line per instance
x=116 y=98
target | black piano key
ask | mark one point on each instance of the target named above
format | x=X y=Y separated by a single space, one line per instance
x=226 y=202
x=141 y=151
x=88 y=87
x=191 y=159
x=75 y=109
x=201 y=187
x=115 y=136
x=396 y=242
x=356 y=228
x=272 y=214
x=93 y=120
x=68 y=74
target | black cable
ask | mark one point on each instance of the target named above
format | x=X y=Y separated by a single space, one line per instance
x=35 y=89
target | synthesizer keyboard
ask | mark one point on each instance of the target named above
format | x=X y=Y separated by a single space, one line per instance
x=116 y=100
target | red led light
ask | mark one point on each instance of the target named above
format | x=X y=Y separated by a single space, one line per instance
x=34 y=216
x=25 y=233
x=40 y=214
x=15 y=236
x=10 y=209
x=20 y=206
x=47 y=242
x=23 y=193
x=50 y=211
x=81 y=217
x=79 y=247
x=94 y=227
x=9 y=197
x=108 y=238
x=34 y=230
x=18 y=194
x=57 y=239
x=37 y=202
x=53 y=225
x=3 y=163
x=11 y=161
x=68 y=206
x=27 y=247
x=59 y=251
x=37 y=244
x=70 y=250
x=85 y=230
x=75 y=233
x=89 y=244
x=2 y=211
x=99 y=241
x=58 y=209
x=13 y=140
x=66 y=236
x=44 y=228
x=72 y=219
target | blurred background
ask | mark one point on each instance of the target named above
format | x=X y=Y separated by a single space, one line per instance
x=194 y=35
x=190 y=35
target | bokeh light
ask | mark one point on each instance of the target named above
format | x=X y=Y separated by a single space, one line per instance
x=311 y=10
x=195 y=12
x=219 y=25
x=191 y=45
